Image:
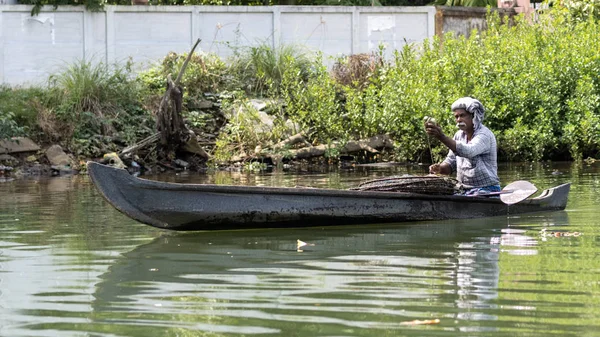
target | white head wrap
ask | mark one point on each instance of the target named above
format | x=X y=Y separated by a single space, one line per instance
x=473 y=107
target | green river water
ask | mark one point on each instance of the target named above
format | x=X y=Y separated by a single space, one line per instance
x=71 y=265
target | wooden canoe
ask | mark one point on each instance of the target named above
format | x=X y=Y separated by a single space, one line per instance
x=213 y=207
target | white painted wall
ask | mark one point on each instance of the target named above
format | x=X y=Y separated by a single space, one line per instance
x=32 y=48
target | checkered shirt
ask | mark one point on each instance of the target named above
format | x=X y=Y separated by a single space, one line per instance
x=475 y=162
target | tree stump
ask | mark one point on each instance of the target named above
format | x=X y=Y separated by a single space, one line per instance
x=174 y=134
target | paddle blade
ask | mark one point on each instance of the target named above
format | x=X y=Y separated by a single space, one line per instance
x=517 y=191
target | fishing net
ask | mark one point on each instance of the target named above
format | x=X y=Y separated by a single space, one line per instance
x=432 y=184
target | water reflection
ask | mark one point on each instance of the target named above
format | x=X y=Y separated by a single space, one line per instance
x=358 y=278
x=517 y=238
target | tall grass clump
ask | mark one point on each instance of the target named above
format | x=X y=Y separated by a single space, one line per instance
x=93 y=107
x=259 y=70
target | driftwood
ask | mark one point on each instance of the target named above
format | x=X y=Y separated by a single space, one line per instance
x=292 y=140
x=173 y=131
x=141 y=144
x=370 y=145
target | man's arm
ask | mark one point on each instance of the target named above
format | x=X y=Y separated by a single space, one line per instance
x=446 y=167
x=480 y=143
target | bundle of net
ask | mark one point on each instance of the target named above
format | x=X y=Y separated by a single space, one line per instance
x=430 y=184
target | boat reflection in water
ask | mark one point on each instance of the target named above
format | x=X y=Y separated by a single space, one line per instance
x=356 y=280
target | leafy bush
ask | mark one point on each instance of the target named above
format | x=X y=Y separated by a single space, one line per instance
x=582 y=127
x=17 y=112
x=538 y=83
x=204 y=73
x=8 y=126
x=246 y=132
x=536 y=78
x=92 y=5
x=579 y=9
x=312 y=102
x=241 y=135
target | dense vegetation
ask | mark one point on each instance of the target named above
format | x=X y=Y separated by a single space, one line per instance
x=539 y=83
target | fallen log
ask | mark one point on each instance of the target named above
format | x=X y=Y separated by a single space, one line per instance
x=140 y=145
x=372 y=145
x=291 y=141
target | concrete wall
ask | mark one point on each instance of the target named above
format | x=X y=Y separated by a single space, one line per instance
x=34 y=47
x=463 y=20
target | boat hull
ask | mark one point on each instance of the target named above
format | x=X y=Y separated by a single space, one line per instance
x=208 y=207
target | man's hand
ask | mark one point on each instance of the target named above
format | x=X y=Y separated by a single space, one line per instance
x=435 y=169
x=443 y=168
x=434 y=130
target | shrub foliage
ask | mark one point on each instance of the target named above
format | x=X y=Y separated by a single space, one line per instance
x=538 y=82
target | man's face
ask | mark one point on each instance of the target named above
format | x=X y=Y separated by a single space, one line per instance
x=463 y=119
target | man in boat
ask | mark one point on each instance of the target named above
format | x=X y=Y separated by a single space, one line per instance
x=473 y=151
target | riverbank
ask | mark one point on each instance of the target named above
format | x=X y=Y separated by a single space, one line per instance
x=21 y=157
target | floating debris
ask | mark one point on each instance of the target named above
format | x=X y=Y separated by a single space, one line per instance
x=5 y=173
x=5 y=169
x=557 y=234
x=422 y=322
x=300 y=244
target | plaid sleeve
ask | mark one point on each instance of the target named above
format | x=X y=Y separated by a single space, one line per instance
x=451 y=160
x=480 y=144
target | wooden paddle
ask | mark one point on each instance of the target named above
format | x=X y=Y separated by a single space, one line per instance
x=517 y=191
x=514 y=192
